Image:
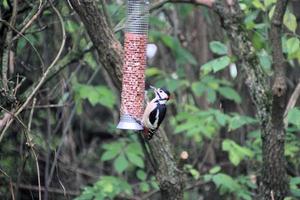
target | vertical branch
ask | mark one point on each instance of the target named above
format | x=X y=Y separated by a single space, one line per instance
x=8 y=45
x=274 y=178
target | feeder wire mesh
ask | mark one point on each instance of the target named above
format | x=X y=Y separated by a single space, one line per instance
x=133 y=83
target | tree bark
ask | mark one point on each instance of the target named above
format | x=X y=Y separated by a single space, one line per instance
x=110 y=53
x=268 y=101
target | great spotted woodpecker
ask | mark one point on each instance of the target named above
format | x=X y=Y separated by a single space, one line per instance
x=155 y=111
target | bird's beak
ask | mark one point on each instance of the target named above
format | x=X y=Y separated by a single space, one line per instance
x=152 y=87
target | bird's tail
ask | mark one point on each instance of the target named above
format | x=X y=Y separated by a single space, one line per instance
x=148 y=133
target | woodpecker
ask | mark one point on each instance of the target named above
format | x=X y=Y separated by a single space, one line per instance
x=155 y=111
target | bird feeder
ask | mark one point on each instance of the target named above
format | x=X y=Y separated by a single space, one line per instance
x=133 y=82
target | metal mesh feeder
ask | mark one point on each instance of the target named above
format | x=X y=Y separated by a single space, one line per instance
x=133 y=83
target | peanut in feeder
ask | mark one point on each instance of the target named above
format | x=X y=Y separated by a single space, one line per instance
x=133 y=83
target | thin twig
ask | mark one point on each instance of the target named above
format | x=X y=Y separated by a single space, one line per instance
x=44 y=76
x=33 y=47
x=29 y=23
x=31 y=114
x=8 y=45
x=38 y=173
x=51 y=190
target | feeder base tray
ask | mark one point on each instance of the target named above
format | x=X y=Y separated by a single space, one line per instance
x=129 y=123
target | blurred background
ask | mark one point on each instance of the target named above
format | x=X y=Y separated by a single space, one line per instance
x=71 y=123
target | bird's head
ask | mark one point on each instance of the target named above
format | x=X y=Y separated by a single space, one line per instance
x=161 y=94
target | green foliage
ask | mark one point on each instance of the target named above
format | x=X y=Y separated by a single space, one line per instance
x=294 y=117
x=218 y=48
x=216 y=65
x=236 y=152
x=230 y=93
x=295 y=186
x=226 y=184
x=211 y=86
x=290 y=21
x=192 y=171
x=123 y=153
x=198 y=123
x=94 y=94
x=293 y=47
x=108 y=187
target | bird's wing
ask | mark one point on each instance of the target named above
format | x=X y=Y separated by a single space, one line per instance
x=152 y=116
x=163 y=109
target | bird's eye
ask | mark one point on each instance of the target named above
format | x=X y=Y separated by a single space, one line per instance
x=160 y=91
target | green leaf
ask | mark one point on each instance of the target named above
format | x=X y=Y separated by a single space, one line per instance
x=153 y=71
x=195 y=173
x=225 y=183
x=169 y=41
x=120 y=163
x=290 y=21
x=236 y=152
x=216 y=64
x=114 y=146
x=141 y=175
x=215 y=169
x=269 y=2
x=258 y=4
x=238 y=121
x=71 y=26
x=230 y=93
x=108 y=155
x=135 y=148
x=258 y=41
x=265 y=60
x=135 y=159
x=218 y=48
x=211 y=95
x=294 y=182
x=95 y=94
x=144 y=187
x=221 y=118
x=294 y=117
x=292 y=45
x=198 y=88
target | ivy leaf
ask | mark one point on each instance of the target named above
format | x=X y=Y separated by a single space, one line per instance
x=292 y=45
x=120 y=163
x=290 y=21
x=218 y=47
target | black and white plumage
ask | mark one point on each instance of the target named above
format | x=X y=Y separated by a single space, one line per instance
x=155 y=111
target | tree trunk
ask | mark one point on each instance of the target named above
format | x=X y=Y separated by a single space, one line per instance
x=268 y=101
